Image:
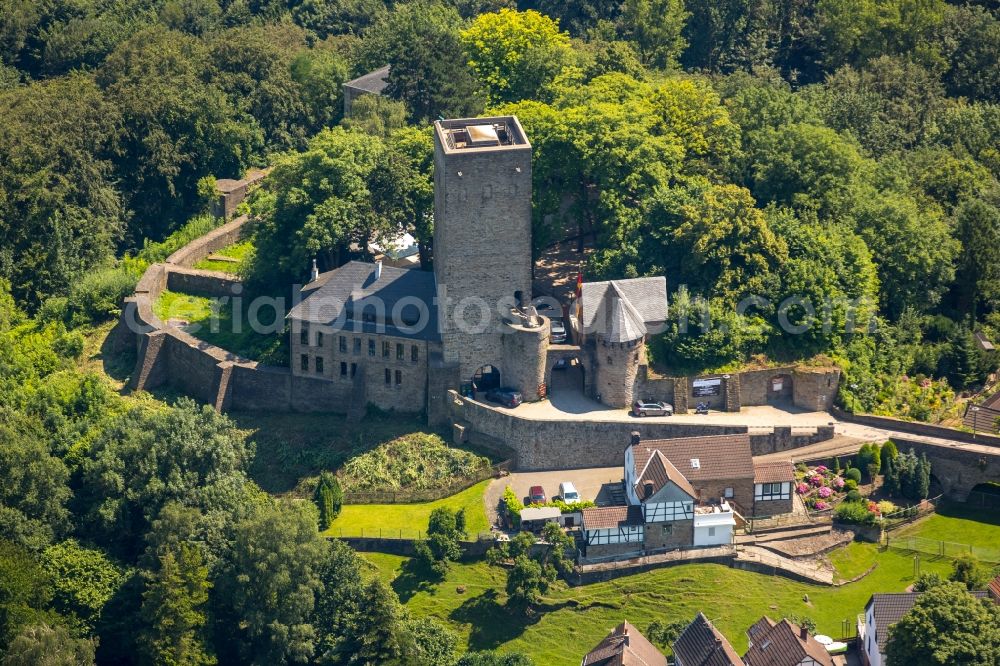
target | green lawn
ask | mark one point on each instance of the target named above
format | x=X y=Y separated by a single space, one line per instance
x=955 y=523
x=572 y=620
x=223 y=330
x=238 y=251
x=409 y=519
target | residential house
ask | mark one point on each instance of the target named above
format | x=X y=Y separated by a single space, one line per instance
x=613 y=531
x=883 y=611
x=994 y=590
x=783 y=644
x=716 y=466
x=624 y=646
x=772 y=488
x=701 y=644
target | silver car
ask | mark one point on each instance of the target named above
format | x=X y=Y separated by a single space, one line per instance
x=643 y=408
x=557 y=331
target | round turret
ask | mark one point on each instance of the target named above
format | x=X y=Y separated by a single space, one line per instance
x=524 y=352
x=617 y=365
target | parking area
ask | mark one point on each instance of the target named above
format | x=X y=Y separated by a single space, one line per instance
x=589 y=483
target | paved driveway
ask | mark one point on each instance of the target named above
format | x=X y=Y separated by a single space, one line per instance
x=587 y=481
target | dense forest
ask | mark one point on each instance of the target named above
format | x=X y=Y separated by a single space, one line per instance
x=846 y=154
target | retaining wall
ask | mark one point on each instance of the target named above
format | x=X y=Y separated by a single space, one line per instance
x=559 y=444
x=916 y=428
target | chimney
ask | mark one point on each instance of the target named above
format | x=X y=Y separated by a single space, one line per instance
x=314 y=273
x=647 y=490
x=804 y=633
x=636 y=438
x=378 y=269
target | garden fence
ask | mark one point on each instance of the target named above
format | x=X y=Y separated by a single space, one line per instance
x=908 y=515
x=949 y=549
x=398 y=534
x=404 y=496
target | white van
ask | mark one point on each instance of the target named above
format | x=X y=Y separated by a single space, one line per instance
x=568 y=493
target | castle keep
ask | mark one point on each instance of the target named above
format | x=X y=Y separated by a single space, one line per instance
x=402 y=338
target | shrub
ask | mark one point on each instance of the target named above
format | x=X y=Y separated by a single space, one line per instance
x=97 y=296
x=329 y=498
x=885 y=507
x=415 y=461
x=512 y=504
x=853 y=474
x=855 y=513
x=196 y=227
x=853 y=496
x=825 y=492
x=838 y=483
x=850 y=485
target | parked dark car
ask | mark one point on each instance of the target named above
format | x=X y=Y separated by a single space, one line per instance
x=507 y=397
x=536 y=495
x=648 y=408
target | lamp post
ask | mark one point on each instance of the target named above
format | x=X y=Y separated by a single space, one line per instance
x=975 y=418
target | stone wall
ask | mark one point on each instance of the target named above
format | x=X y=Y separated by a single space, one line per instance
x=565 y=444
x=168 y=355
x=659 y=389
x=916 y=428
x=204 y=283
x=213 y=241
x=613 y=550
x=772 y=507
x=680 y=536
x=786 y=438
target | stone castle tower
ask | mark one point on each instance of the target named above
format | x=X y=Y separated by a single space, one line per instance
x=619 y=349
x=482 y=234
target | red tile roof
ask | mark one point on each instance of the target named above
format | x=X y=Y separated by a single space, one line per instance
x=719 y=456
x=610 y=517
x=783 y=645
x=659 y=471
x=773 y=472
x=624 y=646
x=994 y=589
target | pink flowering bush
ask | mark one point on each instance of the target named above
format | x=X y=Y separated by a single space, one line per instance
x=825 y=492
x=822 y=506
x=802 y=489
x=816 y=480
x=838 y=483
x=821 y=469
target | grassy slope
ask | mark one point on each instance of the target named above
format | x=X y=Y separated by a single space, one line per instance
x=197 y=310
x=238 y=251
x=572 y=620
x=292 y=446
x=409 y=519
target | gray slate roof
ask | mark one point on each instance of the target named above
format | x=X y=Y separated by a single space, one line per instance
x=621 y=310
x=373 y=82
x=337 y=299
x=890 y=608
x=701 y=644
